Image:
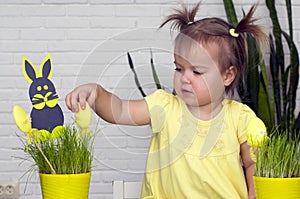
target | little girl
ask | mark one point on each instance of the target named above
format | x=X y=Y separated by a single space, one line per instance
x=199 y=145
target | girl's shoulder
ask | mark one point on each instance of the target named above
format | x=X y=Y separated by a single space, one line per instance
x=243 y=118
x=161 y=92
x=234 y=106
x=160 y=97
x=162 y=106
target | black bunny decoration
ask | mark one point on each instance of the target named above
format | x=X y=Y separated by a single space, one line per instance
x=46 y=113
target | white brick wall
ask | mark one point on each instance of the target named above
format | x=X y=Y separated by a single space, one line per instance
x=88 y=40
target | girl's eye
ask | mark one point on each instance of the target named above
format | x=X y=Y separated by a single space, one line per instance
x=177 y=69
x=197 y=72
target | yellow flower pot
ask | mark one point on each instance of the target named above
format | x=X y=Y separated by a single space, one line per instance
x=277 y=188
x=65 y=186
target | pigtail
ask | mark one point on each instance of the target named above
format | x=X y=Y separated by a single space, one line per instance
x=239 y=47
x=247 y=26
x=181 y=18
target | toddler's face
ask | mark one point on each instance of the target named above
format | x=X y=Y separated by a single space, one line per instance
x=197 y=78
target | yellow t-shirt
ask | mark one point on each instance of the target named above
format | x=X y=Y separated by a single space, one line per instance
x=193 y=159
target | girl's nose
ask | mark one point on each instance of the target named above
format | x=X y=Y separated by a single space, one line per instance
x=185 y=78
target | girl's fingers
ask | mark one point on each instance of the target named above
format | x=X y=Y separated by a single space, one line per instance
x=81 y=95
x=72 y=101
x=68 y=101
x=82 y=98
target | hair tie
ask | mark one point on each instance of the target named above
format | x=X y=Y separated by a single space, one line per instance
x=233 y=33
x=190 y=22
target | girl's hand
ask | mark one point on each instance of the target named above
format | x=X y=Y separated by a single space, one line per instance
x=82 y=94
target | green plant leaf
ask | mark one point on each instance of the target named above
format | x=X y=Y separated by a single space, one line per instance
x=265 y=108
x=154 y=74
x=230 y=12
x=289 y=15
x=136 y=79
x=253 y=84
x=274 y=69
x=293 y=72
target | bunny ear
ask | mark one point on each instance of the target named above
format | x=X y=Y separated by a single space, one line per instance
x=29 y=70
x=45 y=68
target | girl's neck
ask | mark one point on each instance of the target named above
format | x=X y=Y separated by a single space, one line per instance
x=206 y=112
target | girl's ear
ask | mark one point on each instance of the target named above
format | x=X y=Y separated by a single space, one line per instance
x=229 y=75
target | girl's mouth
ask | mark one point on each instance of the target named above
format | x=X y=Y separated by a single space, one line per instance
x=186 y=92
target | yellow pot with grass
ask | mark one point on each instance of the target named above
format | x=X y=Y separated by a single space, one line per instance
x=65 y=186
x=277 y=188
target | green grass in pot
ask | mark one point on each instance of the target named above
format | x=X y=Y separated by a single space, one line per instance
x=279 y=157
x=67 y=150
x=68 y=154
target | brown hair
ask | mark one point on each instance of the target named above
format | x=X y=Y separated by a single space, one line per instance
x=216 y=30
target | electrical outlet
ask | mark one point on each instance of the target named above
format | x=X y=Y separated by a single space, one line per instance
x=9 y=189
x=1 y=190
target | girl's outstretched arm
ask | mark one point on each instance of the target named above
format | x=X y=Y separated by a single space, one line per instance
x=249 y=165
x=108 y=106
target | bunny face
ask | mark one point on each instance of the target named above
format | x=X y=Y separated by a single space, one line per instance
x=42 y=93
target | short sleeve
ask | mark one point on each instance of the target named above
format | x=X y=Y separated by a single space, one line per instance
x=158 y=104
x=246 y=115
x=256 y=132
